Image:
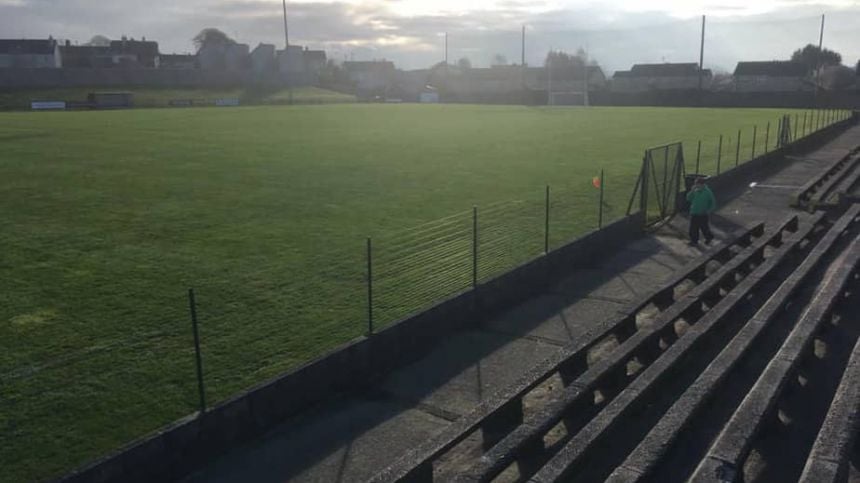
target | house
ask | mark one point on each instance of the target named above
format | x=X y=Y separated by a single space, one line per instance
x=370 y=76
x=771 y=76
x=86 y=56
x=29 y=54
x=177 y=61
x=231 y=56
x=291 y=61
x=666 y=76
x=134 y=53
x=315 y=61
x=263 y=59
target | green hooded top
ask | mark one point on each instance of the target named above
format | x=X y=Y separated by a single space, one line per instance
x=702 y=201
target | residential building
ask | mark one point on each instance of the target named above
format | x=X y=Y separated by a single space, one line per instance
x=134 y=53
x=667 y=76
x=230 y=57
x=263 y=59
x=29 y=54
x=177 y=61
x=771 y=76
x=86 y=56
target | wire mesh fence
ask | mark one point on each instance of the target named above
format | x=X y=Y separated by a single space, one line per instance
x=723 y=151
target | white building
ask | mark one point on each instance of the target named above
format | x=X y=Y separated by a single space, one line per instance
x=30 y=54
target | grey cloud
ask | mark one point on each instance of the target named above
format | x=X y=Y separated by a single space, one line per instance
x=616 y=39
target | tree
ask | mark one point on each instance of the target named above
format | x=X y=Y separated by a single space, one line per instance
x=837 y=78
x=813 y=58
x=211 y=36
x=857 y=69
x=560 y=59
x=464 y=64
x=99 y=41
x=499 y=59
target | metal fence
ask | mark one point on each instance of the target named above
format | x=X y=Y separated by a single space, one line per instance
x=723 y=151
x=298 y=311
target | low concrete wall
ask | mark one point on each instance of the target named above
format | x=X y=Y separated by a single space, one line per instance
x=176 y=450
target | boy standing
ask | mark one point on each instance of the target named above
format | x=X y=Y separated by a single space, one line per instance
x=702 y=204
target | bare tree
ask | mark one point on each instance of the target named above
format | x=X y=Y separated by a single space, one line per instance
x=500 y=59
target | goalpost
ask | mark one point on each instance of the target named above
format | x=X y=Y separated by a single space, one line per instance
x=568 y=98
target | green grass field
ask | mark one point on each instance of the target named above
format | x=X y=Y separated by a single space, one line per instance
x=110 y=216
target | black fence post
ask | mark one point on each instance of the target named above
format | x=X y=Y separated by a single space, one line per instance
x=738 y=149
x=600 y=210
x=474 y=247
x=719 y=153
x=198 y=356
x=698 y=156
x=804 y=123
x=755 y=134
x=369 y=286
x=766 y=138
x=795 y=128
x=817 y=119
x=546 y=224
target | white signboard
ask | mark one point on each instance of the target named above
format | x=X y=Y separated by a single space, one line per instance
x=226 y=102
x=45 y=105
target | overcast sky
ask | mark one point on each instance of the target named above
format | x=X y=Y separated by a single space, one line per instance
x=616 y=33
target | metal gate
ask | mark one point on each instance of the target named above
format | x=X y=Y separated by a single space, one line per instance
x=660 y=183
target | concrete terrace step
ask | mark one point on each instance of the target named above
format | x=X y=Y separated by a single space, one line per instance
x=640 y=464
x=503 y=412
x=726 y=456
x=817 y=190
x=610 y=375
x=598 y=443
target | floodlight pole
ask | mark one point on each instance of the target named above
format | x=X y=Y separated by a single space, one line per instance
x=549 y=78
x=702 y=54
x=287 y=51
x=523 y=53
x=818 y=60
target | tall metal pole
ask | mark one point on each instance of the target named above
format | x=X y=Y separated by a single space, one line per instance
x=446 y=49
x=818 y=59
x=585 y=100
x=523 y=57
x=549 y=78
x=702 y=54
x=286 y=52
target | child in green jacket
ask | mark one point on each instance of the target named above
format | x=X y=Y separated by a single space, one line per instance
x=702 y=204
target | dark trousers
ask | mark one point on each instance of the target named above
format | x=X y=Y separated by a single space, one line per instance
x=700 y=223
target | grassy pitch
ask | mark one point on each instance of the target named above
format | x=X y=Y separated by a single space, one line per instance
x=109 y=217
